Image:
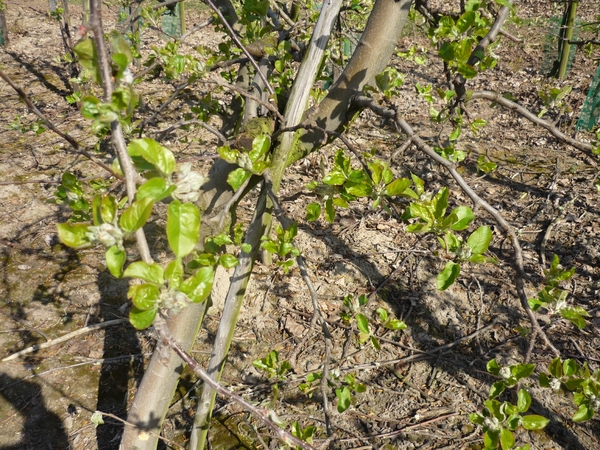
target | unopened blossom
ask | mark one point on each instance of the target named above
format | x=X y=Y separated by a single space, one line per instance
x=188 y=184
x=106 y=234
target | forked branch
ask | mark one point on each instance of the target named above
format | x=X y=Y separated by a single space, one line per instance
x=367 y=102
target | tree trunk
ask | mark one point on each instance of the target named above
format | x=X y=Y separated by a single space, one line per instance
x=370 y=58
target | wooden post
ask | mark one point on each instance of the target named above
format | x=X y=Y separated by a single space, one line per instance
x=3 y=26
x=86 y=12
x=566 y=34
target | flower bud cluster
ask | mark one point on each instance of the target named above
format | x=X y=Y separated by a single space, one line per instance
x=188 y=184
x=174 y=301
x=106 y=234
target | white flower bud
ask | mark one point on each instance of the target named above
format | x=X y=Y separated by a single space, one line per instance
x=188 y=184
x=127 y=77
x=106 y=234
x=109 y=235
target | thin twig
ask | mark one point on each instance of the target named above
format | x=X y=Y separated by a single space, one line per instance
x=316 y=307
x=506 y=103
x=240 y=45
x=66 y=337
x=429 y=354
x=479 y=51
x=164 y=333
x=93 y=361
x=506 y=227
x=217 y=133
x=234 y=198
x=95 y=24
x=76 y=146
x=188 y=33
x=162 y=107
x=477 y=200
x=249 y=96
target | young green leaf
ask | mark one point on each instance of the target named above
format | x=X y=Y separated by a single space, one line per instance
x=115 y=259
x=329 y=211
x=313 y=211
x=534 y=422
x=136 y=215
x=88 y=58
x=260 y=146
x=237 y=178
x=394 y=324
x=344 y=398
x=523 y=401
x=520 y=371
x=160 y=157
x=74 y=235
x=575 y=315
x=480 y=240
x=143 y=296
x=183 y=227
x=448 y=276
x=507 y=440
x=228 y=261
x=198 y=287
x=464 y=216
x=174 y=273
x=440 y=202
x=96 y=210
x=108 y=208
x=583 y=413
x=155 y=188
x=142 y=319
x=497 y=389
x=398 y=187
x=335 y=178
x=383 y=314
x=152 y=273
x=493 y=367
x=362 y=323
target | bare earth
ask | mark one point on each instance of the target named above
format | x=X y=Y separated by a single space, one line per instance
x=46 y=290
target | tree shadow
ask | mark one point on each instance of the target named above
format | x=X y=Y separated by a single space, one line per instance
x=113 y=385
x=36 y=72
x=42 y=428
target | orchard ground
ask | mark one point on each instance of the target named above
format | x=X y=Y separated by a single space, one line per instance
x=544 y=188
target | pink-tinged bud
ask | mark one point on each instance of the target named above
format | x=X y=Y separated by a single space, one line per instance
x=81 y=32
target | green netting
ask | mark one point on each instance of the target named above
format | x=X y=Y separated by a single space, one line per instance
x=590 y=113
x=551 y=56
x=3 y=26
x=171 y=20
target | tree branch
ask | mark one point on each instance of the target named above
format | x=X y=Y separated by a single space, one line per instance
x=66 y=337
x=478 y=202
x=163 y=331
x=479 y=51
x=72 y=142
x=509 y=104
x=95 y=24
x=286 y=223
x=237 y=41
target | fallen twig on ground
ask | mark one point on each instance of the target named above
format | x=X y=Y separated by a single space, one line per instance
x=66 y=337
